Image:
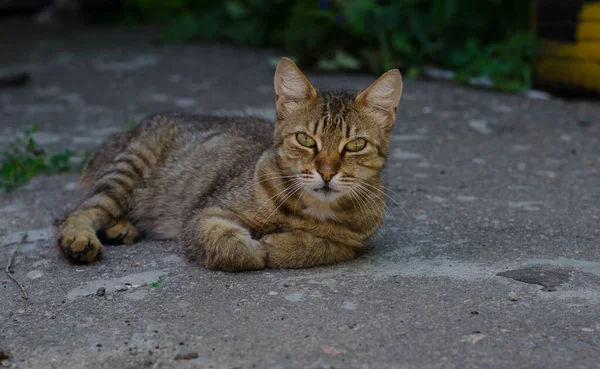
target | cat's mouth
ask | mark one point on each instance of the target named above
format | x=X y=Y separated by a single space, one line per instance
x=325 y=190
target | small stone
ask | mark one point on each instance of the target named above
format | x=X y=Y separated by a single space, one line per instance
x=34 y=274
x=101 y=291
x=474 y=338
x=538 y=95
x=188 y=356
x=332 y=351
x=273 y=293
x=480 y=126
x=513 y=296
x=479 y=161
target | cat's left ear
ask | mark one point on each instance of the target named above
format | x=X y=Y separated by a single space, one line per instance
x=381 y=99
x=292 y=88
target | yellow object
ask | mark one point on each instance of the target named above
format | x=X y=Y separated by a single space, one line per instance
x=575 y=63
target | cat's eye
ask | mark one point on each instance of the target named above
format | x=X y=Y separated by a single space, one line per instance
x=356 y=145
x=305 y=140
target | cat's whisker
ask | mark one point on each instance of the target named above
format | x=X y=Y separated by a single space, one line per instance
x=370 y=194
x=376 y=201
x=299 y=197
x=353 y=196
x=352 y=199
x=270 y=178
x=295 y=184
x=362 y=182
x=363 y=204
x=296 y=189
x=391 y=191
x=369 y=201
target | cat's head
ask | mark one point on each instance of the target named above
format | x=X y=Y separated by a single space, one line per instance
x=333 y=142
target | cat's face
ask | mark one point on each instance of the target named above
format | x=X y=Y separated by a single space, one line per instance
x=333 y=143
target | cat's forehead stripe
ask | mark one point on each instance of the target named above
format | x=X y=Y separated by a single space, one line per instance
x=335 y=107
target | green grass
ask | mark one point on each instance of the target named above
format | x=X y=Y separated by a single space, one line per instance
x=24 y=159
x=130 y=124
x=490 y=39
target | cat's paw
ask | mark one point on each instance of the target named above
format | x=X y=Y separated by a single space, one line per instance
x=277 y=250
x=122 y=233
x=221 y=243
x=80 y=244
x=240 y=256
x=235 y=254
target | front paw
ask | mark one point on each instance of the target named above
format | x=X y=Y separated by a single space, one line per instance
x=280 y=253
x=122 y=233
x=80 y=244
x=236 y=255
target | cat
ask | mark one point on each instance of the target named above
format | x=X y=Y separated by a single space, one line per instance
x=239 y=193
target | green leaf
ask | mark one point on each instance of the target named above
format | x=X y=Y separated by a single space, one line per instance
x=186 y=27
x=249 y=32
x=357 y=13
x=401 y=43
x=413 y=72
x=235 y=9
x=460 y=58
x=450 y=8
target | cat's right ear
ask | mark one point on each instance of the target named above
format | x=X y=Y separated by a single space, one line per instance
x=292 y=88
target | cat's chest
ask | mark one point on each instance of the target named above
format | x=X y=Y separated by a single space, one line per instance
x=322 y=213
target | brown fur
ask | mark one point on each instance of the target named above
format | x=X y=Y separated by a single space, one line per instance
x=239 y=194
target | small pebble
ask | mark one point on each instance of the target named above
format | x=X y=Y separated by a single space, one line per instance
x=513 y=296
x=188 y=356
x=101 y=291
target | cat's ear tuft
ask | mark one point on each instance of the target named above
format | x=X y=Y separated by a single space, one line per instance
x=292 y=88
x=381 y=99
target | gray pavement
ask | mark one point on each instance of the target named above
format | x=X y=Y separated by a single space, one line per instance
x=489 y=259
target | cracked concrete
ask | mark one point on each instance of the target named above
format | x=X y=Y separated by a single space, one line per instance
x=481 y=185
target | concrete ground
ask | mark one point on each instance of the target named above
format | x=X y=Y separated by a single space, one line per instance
x=489 y=259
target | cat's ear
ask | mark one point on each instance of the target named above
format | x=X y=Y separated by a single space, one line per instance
x=381 y=99
x=291 y=87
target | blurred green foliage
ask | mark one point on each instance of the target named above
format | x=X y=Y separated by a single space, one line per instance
x=24 y=158
x=475 y=38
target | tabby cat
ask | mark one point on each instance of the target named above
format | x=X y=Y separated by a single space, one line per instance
x=240 y=194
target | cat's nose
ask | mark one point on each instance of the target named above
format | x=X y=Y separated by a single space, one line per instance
x=327 y=174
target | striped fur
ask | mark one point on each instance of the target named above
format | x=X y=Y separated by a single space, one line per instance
x=240 y=193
